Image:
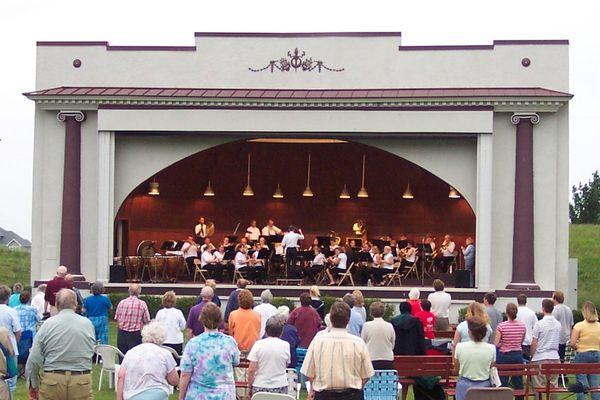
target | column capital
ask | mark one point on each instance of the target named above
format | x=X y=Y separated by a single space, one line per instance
x=62 y=115
x=517 y=117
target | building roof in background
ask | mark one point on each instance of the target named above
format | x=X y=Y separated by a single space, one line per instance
x=7 y=237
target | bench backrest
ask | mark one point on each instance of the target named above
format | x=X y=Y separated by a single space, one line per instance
x=569 y=369
x=412 y=366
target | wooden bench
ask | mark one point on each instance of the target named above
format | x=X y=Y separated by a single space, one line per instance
x=556 y=369
x=410 y=367
x=524 y=370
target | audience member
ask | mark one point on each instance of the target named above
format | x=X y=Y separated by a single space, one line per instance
x=38 y=300
x=194 y=324
x=564 y=315
x=359 y=304
x=337 y=363
x=232 y=301
x=62 y=354
x=508 y=339
x=71 y=281
x=53 y=286
x=147 y=370
x=213 y=284
x=585 y=339
x=427 y=319
x=265 y=309
x=527 y=316
x=14 y=299
x=131 y=315
x=244 y=323
x=269 y=358
x=28 y=315
x=380 y=338
x=306 y=320
x=316 y=302
x=9 y=319
x=410 y=337
x=356 y=320
x=461 y=334
x=440 y=305
x=5 y=358
x=173 y=322
x=208 y=360
x=544 y=344
x=474 y=358
x=494 y=315
x=413 y=300
x=290 y=334
x=96 y=308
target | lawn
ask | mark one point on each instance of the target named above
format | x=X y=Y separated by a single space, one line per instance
x=14 y=266
x=584 y=244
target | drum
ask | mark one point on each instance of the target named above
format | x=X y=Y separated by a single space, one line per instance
x=173 y=265
x=133 y=265
x=156 y=266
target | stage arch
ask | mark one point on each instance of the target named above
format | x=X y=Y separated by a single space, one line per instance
x=335 y=163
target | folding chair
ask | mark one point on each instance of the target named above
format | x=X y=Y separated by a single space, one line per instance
x=411 y=269
x=499 y=393
x=272 y=396
x=237 y=274
x=199 y=270
x=382 y=386
x=395 y=275
x=347 y=274
x=294 y=385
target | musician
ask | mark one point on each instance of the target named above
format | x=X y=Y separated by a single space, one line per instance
x=409 y=255
x=395 y=247
x=200 y=230
x=190 y=252
x=258 y=264
x=469 y=254
x=211 y=263
x=386 y=266
x=333 y=244
x=430 y=241
x=338 y=265
x=447 y=254
x=244 y=242
x=225 y=242
x=262 y=244
x=317 y=264
x=242 y=261
x=207 y=245
x=315 y=244
x=219 y=253
x=290 y=245
x=373 y=270
x=252 y=232
x=271 y=229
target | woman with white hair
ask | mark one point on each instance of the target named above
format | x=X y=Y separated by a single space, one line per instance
x=413 y=300
x=265 y=309
x=147 y=370
x=290 y=335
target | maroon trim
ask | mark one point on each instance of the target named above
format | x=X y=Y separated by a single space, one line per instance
x=486 y=46
x=523 y=275
x=296 y=34
x=311 y=108
x=70 y=236
x=542 y=42
x=69 y=43
x=151 y=48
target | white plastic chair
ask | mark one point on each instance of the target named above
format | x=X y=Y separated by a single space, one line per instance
x=108 y=354
x=272 y=396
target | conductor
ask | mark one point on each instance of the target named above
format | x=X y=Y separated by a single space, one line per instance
x=290 y=246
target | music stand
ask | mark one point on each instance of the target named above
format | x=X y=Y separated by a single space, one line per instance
x=167 y=245
x=381 y=243
x=229 y=255
x=365 y=256
x=178 y=245
x=232 y=238
x=357 y=242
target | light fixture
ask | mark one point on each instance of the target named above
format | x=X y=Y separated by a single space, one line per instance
x=362 y=193
x=248 y=190
x=453 y=194
x=308 y=192
x=344 y=194
x=278 y=193
x=154 y=188
x=209 y=192
x=408 y=194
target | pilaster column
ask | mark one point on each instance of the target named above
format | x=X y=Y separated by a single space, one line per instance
x=523 y=273
x=70 y=232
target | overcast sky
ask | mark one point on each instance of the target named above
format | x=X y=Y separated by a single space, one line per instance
x=172 y=22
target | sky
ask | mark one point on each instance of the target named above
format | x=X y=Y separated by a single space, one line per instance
x=173 y=22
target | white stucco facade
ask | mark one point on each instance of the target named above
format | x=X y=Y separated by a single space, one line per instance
x=466 y=139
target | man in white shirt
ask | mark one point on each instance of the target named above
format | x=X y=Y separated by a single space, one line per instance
x=241 y=262
x=200 y=230
x=38 y=301
x=9 y=319
x=447 y=248
x=527 y=316
x=265 y=309
x=271 y=229
x=209 y=262
x=316 y=266
x=252 y=232
x=544 y=344
x=338 y=265
x=207 y=245
x=440 y=305
x=190 y=252
x=290 y=245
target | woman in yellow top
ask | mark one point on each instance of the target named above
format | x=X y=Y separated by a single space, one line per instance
x=585 y=339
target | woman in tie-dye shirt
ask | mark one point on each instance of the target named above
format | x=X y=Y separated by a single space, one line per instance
x=208 y=360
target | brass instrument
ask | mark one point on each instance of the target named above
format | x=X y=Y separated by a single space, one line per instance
x=210 y=228
x=359 y=227
x=336 y=238
x=440 y=250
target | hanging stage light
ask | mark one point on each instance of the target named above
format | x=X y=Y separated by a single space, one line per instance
x=278 y=193
x=153 y=188
x=408 y=194
x=248 y=190
x=453 y=194
x=362 y=193
x=344 y=194
x=209 y=192
x=308 y=192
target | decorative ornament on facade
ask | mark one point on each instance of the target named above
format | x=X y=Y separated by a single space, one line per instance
x=296 y=61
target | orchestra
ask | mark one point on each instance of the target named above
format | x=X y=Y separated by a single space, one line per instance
x=261 y=254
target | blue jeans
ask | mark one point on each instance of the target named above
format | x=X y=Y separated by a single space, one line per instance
x=511 y=357
x=588 y=380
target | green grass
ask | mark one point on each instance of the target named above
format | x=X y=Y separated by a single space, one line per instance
x=584 y=244
x=14 y=267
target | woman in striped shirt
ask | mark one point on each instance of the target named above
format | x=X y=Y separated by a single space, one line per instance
x=508 y=341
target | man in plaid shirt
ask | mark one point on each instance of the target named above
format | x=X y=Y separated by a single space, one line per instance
x=131 y=314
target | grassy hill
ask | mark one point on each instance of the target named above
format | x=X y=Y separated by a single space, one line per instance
x=14 y=267
x=584 y=244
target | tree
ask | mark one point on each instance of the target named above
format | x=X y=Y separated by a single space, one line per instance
x=585 y=208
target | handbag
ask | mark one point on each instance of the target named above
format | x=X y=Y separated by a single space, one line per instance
x=494 y=377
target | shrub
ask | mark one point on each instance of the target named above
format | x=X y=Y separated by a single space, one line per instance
x=184 y=303
x=282 y=301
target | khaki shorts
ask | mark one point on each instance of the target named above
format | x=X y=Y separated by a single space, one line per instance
x=4 y=393
x=66 y=387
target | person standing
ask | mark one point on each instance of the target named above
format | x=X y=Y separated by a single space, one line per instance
x=96 y=308
x=306 y=320
x=380 y=337
x=290 y=246
x=65 y=370
x=356 y=322
x=131 y=315
x=252 y=232
x=193 y=325
x=585 y=339
x=316 y=302
x=244 y=323
x=9 y=319
x=337 y=363
x=427 y=319
x=410 y=336
x=494 y=315
x=564 y=315
x=469 y=254
x=38 y=300
x=527 y=316
x=290 y=334
x=413 y=300
x=508 y=339
x=270 y=229
x=200 y=230
x=14 y=299
x=173 y=322
x=190 y=252
x=265 y=309
x=440 y=305
x=544 y=344
x=57 y=283
x=232 y=301
x=4 y=370
x=359 y=304
x=28 y=315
